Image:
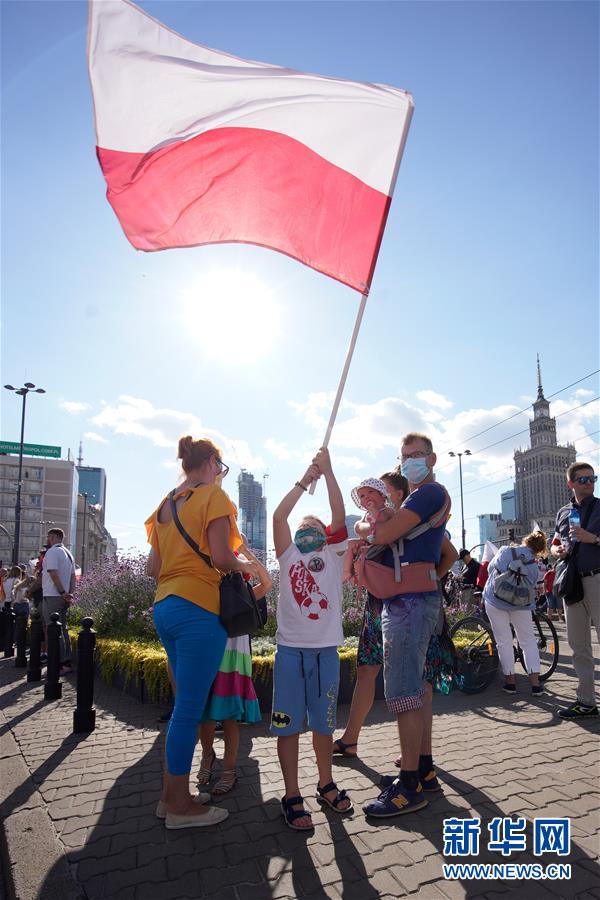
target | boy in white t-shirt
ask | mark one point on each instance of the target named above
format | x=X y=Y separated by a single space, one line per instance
x=309 y=631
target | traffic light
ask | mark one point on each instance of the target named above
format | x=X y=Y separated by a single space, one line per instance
x=511 y=534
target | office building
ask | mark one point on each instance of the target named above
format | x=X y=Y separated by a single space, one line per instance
x=252 y=512
x=488 y=526
x=94 y=542
x=509 y=510
x=48 y=500
x=92 y=481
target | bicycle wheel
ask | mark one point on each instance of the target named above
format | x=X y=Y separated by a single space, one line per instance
x=476 y=654
x=547 y=641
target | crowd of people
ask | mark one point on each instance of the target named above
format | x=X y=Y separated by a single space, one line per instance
x=398 y=559
x=48 y=589
x=399 y=555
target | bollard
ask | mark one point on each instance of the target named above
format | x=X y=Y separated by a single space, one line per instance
x=34 y=671
x=53 y=686
x=9 y=630
x=21 y=639
x=84 y=717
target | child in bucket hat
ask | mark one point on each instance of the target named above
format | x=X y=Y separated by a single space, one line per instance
x=373 y=497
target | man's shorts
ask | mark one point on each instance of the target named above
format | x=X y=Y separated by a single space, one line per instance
x=370 y=645
x=305 y=688
x=408 y=622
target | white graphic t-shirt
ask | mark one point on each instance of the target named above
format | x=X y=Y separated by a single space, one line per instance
x=309 y=610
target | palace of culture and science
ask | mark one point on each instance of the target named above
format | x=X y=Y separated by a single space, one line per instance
x=540 y=475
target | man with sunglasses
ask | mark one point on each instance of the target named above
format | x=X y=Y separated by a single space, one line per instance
x=581 y=616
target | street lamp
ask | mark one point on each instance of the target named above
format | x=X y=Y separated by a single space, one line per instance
x=84 y=536
x=462 y=506
x=27 y=388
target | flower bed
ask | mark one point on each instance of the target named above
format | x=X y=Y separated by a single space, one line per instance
x=140 y=668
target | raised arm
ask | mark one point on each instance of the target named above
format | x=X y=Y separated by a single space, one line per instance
x=336 y=501
x=282 y=535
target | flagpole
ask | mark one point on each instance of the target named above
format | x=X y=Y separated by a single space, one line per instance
x=344 y=376
x=363 y=301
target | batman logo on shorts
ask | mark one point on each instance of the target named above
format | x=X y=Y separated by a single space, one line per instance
x=280 y=720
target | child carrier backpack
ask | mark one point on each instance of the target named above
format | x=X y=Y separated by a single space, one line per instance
x=383 y=581
x=512 y=586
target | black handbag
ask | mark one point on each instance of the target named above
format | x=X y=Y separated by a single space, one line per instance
x=240 y=612
x=568 y=585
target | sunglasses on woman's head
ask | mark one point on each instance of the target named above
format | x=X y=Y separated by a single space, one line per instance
x=586 y=479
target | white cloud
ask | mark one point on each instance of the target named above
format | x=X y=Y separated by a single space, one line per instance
x=136 y=417
x=432 y=398
x=92 y=436
x=74 y=407
x=278 y=449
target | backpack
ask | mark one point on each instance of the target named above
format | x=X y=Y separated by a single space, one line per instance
x=512 y=586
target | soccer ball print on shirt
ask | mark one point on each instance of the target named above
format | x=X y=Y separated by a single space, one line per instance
x=311 y=601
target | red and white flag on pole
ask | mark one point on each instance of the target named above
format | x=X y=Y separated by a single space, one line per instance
x=200 y=147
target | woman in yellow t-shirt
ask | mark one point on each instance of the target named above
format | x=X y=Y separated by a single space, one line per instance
x=186 y=611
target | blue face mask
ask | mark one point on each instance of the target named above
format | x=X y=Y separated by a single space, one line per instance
x=308 y=539
x=415 y=470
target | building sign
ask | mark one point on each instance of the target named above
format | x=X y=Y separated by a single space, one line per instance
x=30 y=449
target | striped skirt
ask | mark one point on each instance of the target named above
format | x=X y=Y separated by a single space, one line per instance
x=232 y=695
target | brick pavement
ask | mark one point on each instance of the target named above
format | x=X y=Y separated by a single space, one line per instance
x=79 y=819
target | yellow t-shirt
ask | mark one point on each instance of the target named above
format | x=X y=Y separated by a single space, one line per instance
x=182 y=571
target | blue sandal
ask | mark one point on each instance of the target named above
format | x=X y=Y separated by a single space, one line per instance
x=335 y=803
x=291 y=815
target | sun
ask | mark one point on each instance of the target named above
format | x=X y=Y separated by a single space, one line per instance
x=232 y=304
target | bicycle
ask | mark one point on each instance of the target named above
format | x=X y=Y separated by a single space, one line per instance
x=477 y=655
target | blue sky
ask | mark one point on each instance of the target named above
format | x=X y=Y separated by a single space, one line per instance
x=490 y=256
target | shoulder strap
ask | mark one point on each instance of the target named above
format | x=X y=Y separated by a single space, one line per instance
x=437 y=519
x=187 y=538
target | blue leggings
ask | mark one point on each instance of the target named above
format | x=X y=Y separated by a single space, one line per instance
x=195 y=642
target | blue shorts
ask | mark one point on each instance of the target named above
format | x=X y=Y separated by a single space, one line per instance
x=305 y=688
x=408 y=622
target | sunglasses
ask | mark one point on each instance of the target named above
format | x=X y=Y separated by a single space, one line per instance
x=223 y=469
x=586 y=479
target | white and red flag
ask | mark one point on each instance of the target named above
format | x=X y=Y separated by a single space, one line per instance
x=200 y=147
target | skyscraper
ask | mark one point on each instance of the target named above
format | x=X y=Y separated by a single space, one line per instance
x=507 y=499
x=540 y=482
x=92 y=481
x=252 y=512
x=488 y=525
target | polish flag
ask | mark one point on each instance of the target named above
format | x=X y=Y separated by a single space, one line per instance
x=200 y=147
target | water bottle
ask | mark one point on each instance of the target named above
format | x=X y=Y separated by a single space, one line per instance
x=574 y=519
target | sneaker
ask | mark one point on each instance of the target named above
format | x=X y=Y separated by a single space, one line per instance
x=43 y=657
x=66 y=669
x=509 y=688
x=396 y=800
x=537 y=689
x=578 y=710
x=429 y=782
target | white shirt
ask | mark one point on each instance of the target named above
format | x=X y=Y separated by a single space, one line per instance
x=309 y=610
x=60 y=560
